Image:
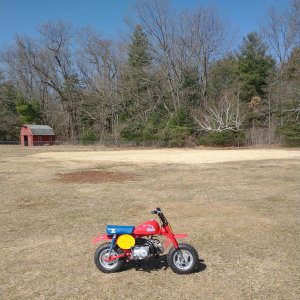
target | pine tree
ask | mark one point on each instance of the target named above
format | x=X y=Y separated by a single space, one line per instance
x=138 y=49
x=136 y=82
x=225 y=77
x=29 y=111
x=254 y=66
x=9 y=120
x=290 y=113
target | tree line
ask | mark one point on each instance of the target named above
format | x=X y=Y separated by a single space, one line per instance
x=174 y=80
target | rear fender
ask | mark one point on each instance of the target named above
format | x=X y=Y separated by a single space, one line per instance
x=101 y=237
x=176 y=236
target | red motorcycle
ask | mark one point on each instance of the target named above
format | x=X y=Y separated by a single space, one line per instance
x=138 y=243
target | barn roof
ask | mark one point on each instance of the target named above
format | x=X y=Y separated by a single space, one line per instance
x=40 y=129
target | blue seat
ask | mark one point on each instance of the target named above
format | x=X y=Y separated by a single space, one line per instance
x=117 y=229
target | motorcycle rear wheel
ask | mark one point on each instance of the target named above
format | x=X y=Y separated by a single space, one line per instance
x=183 y=260
x=102 y=253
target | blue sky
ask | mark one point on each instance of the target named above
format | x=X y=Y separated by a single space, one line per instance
x=107 y=16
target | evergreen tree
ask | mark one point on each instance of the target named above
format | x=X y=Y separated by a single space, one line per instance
x=135 y=87
x=9 y=120
x=225 y=76
x=290 y=113
x=29 y=111
x=139 y=49
x=292 y=72
x=254 y=66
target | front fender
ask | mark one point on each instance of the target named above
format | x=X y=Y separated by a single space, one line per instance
x=100 y=238
x=176 y=236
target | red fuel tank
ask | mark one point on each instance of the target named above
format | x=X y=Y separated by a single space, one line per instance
x=148 y=228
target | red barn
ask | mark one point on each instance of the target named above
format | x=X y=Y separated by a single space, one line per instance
x=37 y=135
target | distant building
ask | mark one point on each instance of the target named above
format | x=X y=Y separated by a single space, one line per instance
x=37 y=135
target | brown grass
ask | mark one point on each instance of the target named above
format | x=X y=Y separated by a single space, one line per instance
x=242 y=217
x=96 y=177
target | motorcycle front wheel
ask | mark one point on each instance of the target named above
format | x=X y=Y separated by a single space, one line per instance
x=183 y=260
x=102 y=253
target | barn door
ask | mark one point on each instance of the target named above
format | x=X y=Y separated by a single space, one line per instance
x=25 y=140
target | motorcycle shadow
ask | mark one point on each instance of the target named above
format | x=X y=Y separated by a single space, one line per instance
x=157 y=264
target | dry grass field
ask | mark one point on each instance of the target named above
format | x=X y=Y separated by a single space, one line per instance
x=240 y=207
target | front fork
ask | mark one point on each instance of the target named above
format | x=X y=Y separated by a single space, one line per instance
x=113 y=242
x=114 y=257
x=172 y=239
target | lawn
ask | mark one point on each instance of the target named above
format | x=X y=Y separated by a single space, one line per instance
x=241 y=209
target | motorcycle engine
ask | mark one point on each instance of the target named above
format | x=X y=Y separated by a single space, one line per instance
x=140 y=252
x=146 y=248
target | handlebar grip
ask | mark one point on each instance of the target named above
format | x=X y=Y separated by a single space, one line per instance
x=153 y=212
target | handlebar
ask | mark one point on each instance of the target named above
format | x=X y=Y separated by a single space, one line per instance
x=156 y=211
x=162 y=217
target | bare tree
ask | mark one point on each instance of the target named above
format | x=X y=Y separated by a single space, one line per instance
x=21 y=73
x=206 y=38
x=282 y=31
x=223 y=115
x=98 y=67
x=50 y=62
x=183 y=42
x=156 y=18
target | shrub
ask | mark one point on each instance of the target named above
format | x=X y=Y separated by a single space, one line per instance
x=171 y=130
x=178 y=128
x=222 y=138
x=88 y=137
x=176 y=136
x=291 y=134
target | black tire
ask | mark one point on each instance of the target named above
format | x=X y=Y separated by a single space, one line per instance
x=105 y=267
x=189 y=265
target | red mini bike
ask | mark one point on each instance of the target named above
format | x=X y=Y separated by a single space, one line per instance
x=139 y=243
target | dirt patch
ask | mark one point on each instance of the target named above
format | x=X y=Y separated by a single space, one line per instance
x=33 y=202
x=28 y=204
x=96 y=177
